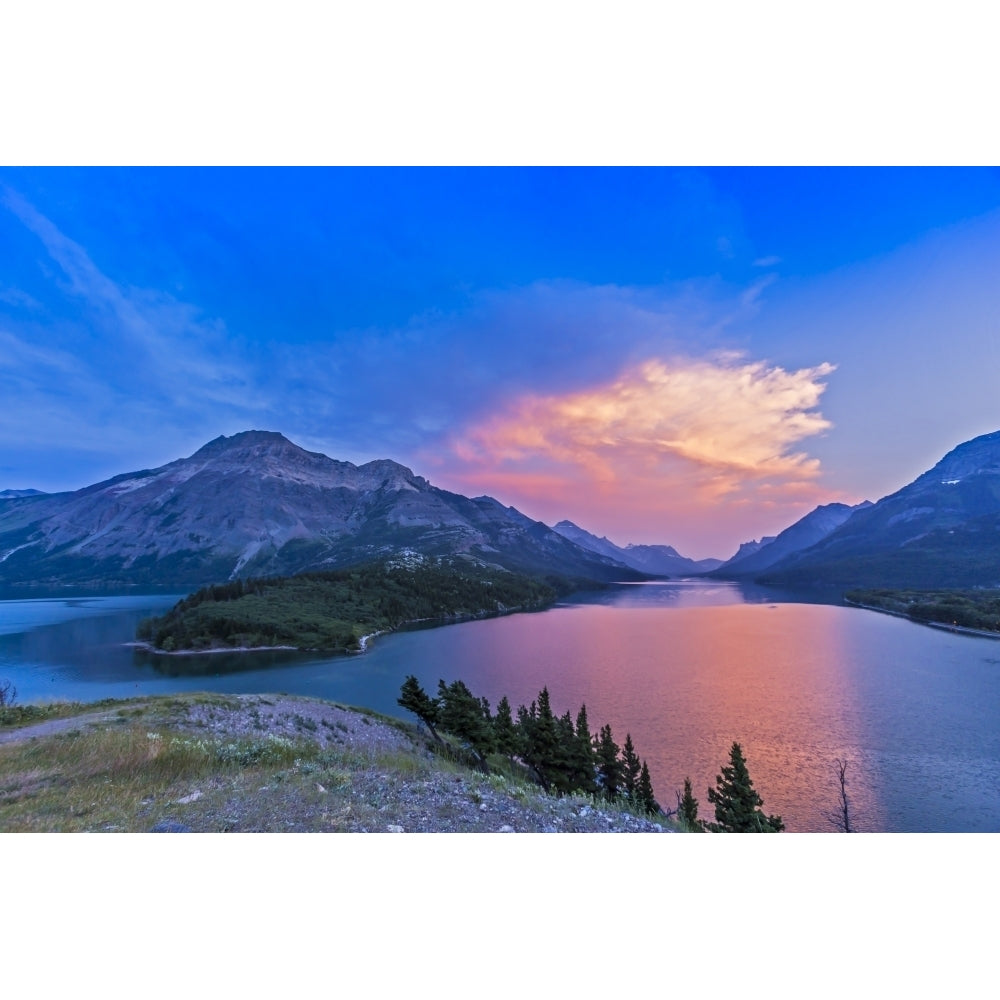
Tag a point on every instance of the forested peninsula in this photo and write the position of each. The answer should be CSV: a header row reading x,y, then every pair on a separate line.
x,y
336,611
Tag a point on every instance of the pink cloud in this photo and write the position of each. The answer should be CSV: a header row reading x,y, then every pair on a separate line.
x,y
702,452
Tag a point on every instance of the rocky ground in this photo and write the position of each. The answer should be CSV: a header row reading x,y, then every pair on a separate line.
x,y
276,763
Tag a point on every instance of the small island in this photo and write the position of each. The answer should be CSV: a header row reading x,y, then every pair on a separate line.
x,y
339,610
976,611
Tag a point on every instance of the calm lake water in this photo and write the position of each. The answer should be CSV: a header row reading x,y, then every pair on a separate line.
x,y
686,666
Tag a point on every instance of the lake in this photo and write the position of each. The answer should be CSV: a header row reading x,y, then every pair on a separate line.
x,y
686,667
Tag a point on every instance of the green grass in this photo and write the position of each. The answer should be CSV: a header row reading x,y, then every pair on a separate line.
x,y
15,716
110,778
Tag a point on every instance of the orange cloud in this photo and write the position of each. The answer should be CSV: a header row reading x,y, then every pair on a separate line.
x,y
665,441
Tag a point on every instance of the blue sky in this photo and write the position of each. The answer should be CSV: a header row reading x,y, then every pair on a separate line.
x,y
688,356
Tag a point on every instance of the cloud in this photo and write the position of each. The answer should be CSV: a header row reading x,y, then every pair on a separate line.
x,y
674,439
407,389
133,366
770,261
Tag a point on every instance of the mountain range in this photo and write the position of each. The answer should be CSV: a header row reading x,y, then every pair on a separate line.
x,y
657,560
941,530
255,504
755,557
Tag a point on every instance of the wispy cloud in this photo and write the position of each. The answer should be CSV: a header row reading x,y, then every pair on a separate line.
x,y
510,394
137,364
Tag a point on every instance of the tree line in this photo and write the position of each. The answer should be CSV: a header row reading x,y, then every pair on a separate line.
x,y
562,755
565,757
331,609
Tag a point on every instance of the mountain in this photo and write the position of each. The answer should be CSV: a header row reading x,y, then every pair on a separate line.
x,y
659,560
749,548
942,530
12,494
255,504
752,558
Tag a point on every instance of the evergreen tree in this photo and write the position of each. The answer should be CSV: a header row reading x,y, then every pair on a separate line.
x,y
467,718
644,792
609,767
630,768
503,729
527,726
687,810
585,769
416,700
541,748
737,804
564,766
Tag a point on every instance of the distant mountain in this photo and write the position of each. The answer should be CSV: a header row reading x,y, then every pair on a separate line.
x,y
12,494
942,530
659,560
750,548
754,558
255,504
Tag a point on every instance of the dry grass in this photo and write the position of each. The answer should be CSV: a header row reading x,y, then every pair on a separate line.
x,y
210,763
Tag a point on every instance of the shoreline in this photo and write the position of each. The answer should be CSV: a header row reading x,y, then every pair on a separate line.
x,y
150,648
976,633
363,640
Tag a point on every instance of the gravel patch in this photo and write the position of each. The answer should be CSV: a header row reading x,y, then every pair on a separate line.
x,y
377,777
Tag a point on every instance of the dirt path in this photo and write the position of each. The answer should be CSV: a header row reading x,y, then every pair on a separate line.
x,y
52,726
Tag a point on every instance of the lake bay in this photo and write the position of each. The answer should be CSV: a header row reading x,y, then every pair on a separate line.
x,y
686,667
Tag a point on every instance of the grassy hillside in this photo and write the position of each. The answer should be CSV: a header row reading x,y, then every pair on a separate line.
x,y
276,763
333,610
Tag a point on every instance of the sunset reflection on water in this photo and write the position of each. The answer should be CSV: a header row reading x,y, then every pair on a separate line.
x,y
686,667
689,683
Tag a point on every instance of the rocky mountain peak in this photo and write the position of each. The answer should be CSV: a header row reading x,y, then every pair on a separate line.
x,y
980,456
251,443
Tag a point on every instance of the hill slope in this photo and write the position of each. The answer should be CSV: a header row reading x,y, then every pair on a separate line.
x,y
274,763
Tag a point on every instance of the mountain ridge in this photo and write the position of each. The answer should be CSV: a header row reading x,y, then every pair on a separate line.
x,y
659,560
940,530
257,504
754,558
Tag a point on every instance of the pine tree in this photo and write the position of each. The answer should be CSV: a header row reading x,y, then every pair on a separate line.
x,y
687,810
737,804
644,792
543,749
503,729
416,700
467,718
609,767
564,765
630,768
529,742
586,769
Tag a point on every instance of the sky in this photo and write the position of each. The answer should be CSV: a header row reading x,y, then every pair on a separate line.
x,y
686,356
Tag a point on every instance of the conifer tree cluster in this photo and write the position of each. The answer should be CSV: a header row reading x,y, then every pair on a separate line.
x,y
737,803
562,754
